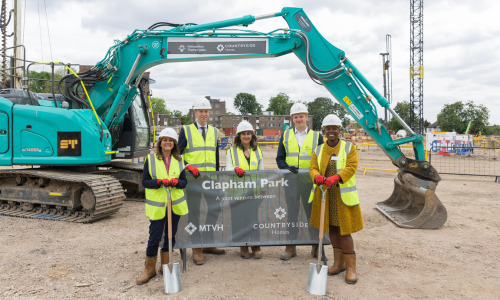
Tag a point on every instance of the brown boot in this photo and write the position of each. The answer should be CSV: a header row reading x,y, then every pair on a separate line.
x,y
290,251
198,256
214,250
350,273
257,254
149,271
164,260
338,262
244,252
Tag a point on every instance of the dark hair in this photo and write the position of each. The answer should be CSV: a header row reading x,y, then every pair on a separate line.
x,y
175,151
253,142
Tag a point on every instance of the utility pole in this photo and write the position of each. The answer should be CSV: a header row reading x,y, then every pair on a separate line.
x,y
387,74
417,65
17,66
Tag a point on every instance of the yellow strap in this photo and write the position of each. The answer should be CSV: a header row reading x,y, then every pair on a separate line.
x,y
88,97
152,118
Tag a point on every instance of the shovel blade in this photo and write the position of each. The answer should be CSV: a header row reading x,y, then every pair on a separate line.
x,y
414,204
172,278
316,282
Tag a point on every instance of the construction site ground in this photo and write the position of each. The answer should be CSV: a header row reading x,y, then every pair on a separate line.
x,y
61,260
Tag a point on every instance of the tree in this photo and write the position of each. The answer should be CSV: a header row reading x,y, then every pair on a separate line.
x,y
280,104
159,105
321,107
247,104
456,117
41,82
403,110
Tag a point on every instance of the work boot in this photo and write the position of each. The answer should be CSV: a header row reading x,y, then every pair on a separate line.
x,y
164,260
350,263
198,256
244,252
338,262
214,250
257,254
149,271
290,251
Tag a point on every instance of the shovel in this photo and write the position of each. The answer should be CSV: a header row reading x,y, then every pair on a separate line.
x,y
316,282
171,271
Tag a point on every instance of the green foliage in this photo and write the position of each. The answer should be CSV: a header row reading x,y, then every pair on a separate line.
x,y
456,117
158,105
403,110
321,107
41,82
246,103
280,104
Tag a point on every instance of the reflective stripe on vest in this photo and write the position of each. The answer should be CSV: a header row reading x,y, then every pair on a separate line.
x,y
348,191
156,199
299,157
255,158
198,152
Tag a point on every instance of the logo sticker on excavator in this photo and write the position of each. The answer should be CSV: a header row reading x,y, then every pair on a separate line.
x,y
69,144
303,22
413,165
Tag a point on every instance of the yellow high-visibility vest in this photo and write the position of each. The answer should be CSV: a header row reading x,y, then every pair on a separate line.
x,y
348,191
156,199
239,159
201,153
299,157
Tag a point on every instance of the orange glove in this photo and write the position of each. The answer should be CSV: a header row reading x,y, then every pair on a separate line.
x,y
331,180
319,179
194,171
239,171
159,182
166,182
174,182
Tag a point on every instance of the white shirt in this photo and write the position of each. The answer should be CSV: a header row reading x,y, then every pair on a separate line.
x,y
206,129
229,162
300,136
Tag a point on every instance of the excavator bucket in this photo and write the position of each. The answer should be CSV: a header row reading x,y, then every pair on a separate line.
x,y
413,203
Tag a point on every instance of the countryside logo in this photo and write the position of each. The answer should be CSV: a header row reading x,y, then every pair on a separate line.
x,y
220,47
280,213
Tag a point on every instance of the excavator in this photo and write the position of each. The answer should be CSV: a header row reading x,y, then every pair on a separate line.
x,y
73,144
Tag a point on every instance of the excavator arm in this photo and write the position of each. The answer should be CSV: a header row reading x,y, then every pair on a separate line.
x,y
413,203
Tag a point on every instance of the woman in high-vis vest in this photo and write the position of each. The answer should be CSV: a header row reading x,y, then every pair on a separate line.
x,y
163,168
333,165
245,155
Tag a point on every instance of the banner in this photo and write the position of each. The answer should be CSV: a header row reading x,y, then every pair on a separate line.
x,y
261,208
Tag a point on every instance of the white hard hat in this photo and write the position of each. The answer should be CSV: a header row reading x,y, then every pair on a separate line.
x,y
169,132
244,126
202,104
331,120
298,108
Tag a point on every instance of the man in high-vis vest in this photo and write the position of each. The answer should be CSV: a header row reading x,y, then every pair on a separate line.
x,y
198,143
294,154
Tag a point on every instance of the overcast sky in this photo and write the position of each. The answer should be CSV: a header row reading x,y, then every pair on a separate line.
x,y
461,46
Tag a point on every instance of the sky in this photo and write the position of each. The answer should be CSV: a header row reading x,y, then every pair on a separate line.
x,y
461,42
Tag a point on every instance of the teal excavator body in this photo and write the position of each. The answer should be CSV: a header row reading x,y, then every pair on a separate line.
x,y
40,135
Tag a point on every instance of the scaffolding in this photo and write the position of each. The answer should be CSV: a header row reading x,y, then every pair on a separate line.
x,y
417,66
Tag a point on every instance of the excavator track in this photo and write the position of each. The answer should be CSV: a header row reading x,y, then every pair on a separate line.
x,y
130,176
59,195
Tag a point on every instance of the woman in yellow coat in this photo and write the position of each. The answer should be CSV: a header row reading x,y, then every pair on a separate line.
x,y
333,165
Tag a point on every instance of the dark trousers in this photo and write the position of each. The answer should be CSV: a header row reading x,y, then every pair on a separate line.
x,y
295,197
194,199
159,229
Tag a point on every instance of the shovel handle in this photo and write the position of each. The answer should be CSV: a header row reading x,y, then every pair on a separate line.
x,y
169,219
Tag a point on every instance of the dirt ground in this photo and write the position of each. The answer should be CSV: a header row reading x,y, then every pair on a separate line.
x,y
61,260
